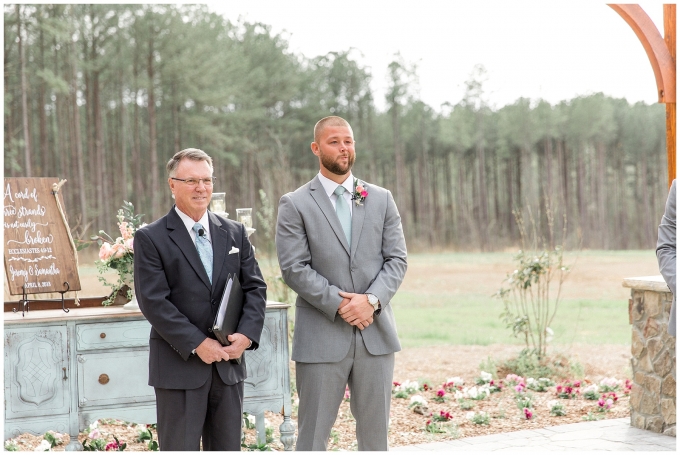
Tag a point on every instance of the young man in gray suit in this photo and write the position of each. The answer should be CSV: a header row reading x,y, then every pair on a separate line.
x,y
665,251
341,248
181,265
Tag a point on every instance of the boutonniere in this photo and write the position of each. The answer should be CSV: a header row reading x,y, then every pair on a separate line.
x,y
359,195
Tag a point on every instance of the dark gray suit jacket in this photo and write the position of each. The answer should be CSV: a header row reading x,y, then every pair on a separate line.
x,y
176,297
665,250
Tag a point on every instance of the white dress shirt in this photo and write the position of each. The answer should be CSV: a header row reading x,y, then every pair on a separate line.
x,y
189,224
330,186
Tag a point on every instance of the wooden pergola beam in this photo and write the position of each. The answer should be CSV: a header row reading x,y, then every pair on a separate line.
x,y
663,63
661,53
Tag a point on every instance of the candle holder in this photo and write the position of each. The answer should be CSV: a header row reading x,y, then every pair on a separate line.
x,y
218,204
245,216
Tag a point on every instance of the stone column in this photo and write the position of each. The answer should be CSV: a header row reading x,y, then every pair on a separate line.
x,y
652,399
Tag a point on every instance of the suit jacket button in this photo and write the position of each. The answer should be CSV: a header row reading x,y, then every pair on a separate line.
x,y
210,329
213,302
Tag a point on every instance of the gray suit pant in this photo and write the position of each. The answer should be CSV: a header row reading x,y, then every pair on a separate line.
x,y
321,388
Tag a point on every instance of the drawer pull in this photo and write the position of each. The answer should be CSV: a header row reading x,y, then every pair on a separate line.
x,y
65,377
103,378
102,335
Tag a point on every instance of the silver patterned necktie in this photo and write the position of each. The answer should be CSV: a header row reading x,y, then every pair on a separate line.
x,y
205,251
342,209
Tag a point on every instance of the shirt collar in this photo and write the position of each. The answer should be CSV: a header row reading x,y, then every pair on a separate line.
x,y
329,185
189,222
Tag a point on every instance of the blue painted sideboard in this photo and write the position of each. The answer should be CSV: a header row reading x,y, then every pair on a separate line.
x,y
63,371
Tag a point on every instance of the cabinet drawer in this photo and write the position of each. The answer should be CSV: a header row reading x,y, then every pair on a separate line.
x,y
112,335
118,378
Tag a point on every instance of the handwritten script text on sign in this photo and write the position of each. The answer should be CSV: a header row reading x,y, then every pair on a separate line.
x,y
38,252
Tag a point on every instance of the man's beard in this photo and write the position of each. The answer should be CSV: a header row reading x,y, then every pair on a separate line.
x,y
334,166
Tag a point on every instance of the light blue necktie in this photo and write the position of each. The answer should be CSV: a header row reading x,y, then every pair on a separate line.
x,y
342,209
205,251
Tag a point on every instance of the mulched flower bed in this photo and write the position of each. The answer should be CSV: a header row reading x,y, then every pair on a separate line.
x,y
425,412
408,427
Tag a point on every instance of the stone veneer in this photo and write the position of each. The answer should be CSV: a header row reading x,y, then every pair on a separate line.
x,y
652,399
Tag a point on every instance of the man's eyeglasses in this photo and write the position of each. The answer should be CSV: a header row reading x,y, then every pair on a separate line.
x,y
208,181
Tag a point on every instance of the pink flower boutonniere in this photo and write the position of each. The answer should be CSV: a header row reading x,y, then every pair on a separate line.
x,y
360,192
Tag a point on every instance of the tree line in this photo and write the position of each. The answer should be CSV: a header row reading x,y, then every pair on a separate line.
x,y
103,95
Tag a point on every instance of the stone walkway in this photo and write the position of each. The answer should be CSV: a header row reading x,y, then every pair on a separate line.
x,y
612,434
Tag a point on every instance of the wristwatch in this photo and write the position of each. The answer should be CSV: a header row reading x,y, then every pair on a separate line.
x,y
373,300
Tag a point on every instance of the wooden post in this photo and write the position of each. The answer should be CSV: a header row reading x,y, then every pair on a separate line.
x,y
661,53
669,38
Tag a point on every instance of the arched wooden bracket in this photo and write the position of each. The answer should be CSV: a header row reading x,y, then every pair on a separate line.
x,y
663,63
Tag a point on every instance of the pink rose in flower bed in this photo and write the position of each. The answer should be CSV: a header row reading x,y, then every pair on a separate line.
x,y
568,389
527,414
513,379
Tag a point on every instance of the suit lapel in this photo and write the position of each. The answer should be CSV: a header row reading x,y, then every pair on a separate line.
x,y
220,243
180,235
358,216
324,203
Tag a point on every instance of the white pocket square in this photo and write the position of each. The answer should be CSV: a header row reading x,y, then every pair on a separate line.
x,y
233,250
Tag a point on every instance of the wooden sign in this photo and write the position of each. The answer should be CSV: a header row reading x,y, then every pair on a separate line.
x,y
38,251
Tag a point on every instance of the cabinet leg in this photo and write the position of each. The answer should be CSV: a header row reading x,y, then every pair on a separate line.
x,y
74,445
287,433
259,426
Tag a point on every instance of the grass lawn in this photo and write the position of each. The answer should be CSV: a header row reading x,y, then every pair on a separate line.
x,y
447,298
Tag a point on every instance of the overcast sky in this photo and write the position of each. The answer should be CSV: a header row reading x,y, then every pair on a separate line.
x,y
554,50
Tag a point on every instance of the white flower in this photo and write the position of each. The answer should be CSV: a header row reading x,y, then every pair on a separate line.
x,y
590,388
458,395
417,399
43,447
549,334
455,381
94,425
552,403
252,419
470,415
94,434
610,382
530,381
486,376
267,423
485,390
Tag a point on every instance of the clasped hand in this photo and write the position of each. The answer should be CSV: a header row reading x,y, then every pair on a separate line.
x,y
355,309
212,351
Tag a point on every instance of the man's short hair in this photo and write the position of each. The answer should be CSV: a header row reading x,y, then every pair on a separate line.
x,y
189,154
333,120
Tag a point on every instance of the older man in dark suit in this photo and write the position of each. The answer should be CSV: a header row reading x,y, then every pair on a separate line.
x,y
181,265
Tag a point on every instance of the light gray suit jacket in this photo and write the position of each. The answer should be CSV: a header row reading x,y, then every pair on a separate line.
x,y
665,251
317,263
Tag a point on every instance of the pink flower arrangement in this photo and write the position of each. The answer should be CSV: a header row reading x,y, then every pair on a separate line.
x,y
520,388
111,446
118,254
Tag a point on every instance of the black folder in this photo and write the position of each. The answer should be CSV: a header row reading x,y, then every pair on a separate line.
x,y
229,312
